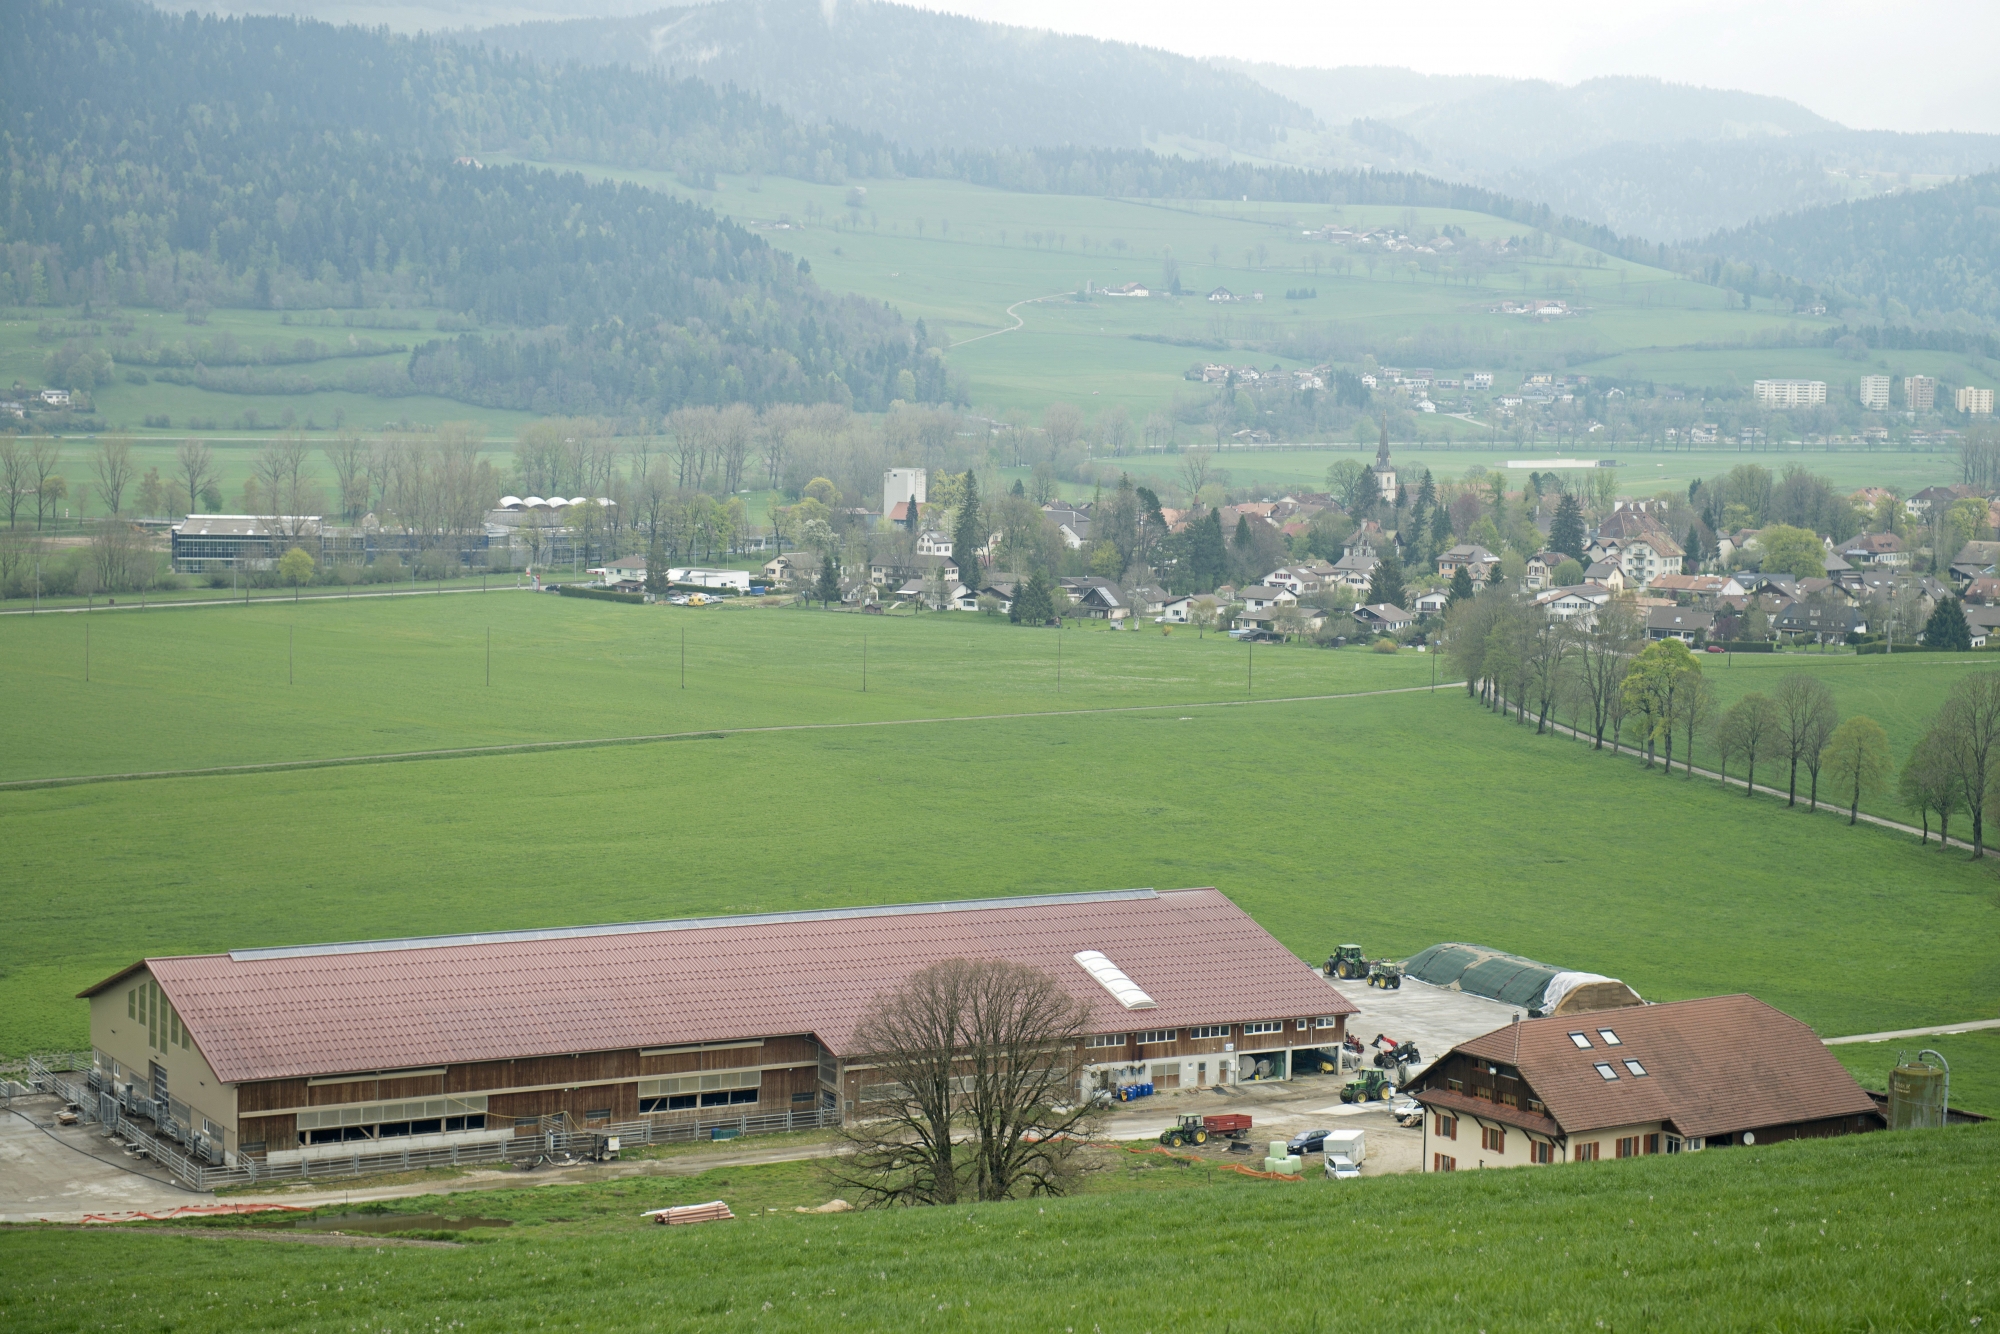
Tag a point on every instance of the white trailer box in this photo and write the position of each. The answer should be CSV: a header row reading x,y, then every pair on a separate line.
x,y
1349,1144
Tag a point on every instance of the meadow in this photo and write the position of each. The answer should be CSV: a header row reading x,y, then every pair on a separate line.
x,y
1974,1059
1871,1232
995,273
1396,820
1901,691
123,405
964,258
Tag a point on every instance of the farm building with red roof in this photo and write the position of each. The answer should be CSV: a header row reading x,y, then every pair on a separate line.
x,y
294,1054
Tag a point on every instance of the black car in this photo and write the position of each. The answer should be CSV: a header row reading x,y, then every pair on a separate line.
x,y
1308,1141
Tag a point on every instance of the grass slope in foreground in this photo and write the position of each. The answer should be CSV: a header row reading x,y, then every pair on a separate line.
x,y
1397,821
1871,1232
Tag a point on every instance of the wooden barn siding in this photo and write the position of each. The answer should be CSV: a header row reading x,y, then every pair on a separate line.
x,y
277,1132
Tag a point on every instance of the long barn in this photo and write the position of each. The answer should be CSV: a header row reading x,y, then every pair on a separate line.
x,y
297,1053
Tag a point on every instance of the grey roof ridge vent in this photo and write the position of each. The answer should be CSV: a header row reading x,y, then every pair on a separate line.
x,y
682,924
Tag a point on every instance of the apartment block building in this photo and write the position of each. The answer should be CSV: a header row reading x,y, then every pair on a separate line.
x,y
1789,393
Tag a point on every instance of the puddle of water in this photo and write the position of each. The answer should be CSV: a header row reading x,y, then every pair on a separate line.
x,y
373,1223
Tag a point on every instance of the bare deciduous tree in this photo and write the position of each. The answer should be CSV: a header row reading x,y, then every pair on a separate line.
x,y
1062,423
977,1065
285,483
1806,718
349,458
112,465
194,468
13,477
1195,473
1970,724
1604,655
44,456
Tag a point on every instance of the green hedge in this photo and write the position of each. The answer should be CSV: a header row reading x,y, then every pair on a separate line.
x,y
1911,648
1746,645
602,594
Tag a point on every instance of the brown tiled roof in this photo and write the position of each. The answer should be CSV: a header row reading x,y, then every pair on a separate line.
x,y
1445,1100
1713,1066
384,1005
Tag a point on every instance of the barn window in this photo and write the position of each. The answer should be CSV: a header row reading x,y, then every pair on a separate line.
x,y
1107,1040
1270,1026
1209,1031
1329,1021
1154,1036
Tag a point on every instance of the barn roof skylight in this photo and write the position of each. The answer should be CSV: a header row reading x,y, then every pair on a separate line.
x,y
1112,978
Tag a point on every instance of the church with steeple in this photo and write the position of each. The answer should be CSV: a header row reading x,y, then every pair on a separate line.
x,y
1384,471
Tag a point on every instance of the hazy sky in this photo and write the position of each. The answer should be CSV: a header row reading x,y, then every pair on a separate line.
x,y
1909,65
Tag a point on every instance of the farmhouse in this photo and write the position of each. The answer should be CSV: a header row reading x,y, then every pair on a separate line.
x,y
1682,623
1383,618
327,1051
1627,1083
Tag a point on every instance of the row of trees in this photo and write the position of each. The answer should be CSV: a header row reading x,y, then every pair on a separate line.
x,y
1613,684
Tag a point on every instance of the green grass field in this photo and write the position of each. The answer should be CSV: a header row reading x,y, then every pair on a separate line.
x,y
201,687
123,406
1871,1232
1974,1059
1396,820
971,261
1900,691
959,256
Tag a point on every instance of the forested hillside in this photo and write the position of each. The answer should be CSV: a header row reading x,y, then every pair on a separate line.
x,y
168,161
925,79
1927,255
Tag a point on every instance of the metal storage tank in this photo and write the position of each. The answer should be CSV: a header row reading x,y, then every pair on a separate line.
x,y
1919,1093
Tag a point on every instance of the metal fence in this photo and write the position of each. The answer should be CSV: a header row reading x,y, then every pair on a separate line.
x,y
555,1141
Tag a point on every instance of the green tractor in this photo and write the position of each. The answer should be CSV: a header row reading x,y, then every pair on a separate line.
x,y
1189,1131
1387,974
1373,1086
1346,962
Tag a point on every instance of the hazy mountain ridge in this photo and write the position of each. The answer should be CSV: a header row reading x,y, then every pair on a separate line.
x,y
1645,157
925,79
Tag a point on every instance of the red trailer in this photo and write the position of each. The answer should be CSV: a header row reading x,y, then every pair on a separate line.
x,y
1233,1125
